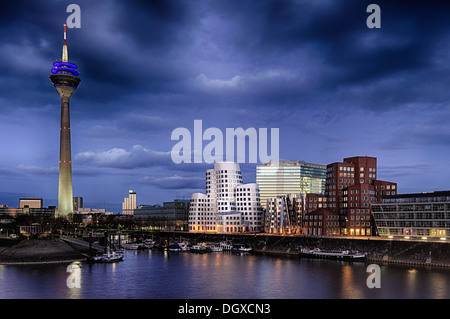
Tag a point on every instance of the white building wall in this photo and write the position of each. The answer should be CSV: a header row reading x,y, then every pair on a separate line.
x,y
222,183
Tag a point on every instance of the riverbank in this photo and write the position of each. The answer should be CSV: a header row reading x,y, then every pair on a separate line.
x,y
412,253
41,251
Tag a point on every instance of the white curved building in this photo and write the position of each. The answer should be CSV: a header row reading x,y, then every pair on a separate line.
x,y
248,203
225,194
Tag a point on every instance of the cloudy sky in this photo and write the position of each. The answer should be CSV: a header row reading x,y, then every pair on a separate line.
x,y
311,68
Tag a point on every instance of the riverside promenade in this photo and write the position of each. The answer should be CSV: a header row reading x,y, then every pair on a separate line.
x,y
41,251
379,250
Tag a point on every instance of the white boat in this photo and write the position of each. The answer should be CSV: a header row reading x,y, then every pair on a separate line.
x,y
201,248
241,248
112,257
130,246
226,245
174,247
335,255
109,257
150,243
184,246
214,248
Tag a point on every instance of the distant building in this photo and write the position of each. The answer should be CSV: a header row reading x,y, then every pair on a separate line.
x,y
129,203
10,211
77,203
419,215
292,177
35,230
30,202
87,215
170,216
15,212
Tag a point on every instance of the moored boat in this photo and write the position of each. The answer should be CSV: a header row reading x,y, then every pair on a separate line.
x,y
112,257
226,245
335,255
184,246
214,248
130,246
198,249
106,258
241,248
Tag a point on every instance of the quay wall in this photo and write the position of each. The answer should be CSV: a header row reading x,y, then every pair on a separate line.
x,y
420,253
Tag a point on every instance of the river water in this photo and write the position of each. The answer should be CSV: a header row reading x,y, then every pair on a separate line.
x,y
161,275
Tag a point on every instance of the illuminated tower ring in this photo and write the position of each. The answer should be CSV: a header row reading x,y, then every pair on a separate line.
x,y
65,80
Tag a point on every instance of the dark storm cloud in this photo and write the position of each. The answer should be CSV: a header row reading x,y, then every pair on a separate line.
x,y
278,52
176,182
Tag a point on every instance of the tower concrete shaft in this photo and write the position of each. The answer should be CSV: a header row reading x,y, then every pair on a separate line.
x,y
65,79
65,191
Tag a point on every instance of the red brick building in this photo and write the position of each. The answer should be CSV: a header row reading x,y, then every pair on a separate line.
x,y
321,222
350,188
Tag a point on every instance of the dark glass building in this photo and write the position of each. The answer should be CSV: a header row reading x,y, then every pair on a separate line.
x,y
170,216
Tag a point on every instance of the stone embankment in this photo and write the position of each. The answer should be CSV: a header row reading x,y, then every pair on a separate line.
x,y
41,251
435,254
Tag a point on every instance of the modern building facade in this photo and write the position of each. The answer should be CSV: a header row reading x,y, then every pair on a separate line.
x,y
321,222
170,216
30,202
129,203
65,79
284,214
419,215
16,212
249,205
77,203
225,195
230,222
281,178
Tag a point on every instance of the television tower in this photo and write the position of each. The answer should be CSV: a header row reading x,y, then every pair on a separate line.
x,y
65,80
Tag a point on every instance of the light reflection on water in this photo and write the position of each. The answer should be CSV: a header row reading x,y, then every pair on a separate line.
x,y
157,275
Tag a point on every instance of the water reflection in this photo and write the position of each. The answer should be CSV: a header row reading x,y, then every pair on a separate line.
x,y
156,274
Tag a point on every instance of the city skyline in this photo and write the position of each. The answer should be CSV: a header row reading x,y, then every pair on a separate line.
x,y
334,87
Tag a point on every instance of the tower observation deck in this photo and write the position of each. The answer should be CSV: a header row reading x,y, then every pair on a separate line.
x,y
65,79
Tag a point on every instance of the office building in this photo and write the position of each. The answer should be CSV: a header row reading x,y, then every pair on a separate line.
x,y
129,203
170,216
30,202
282,178
351,187
414,216
77,203
321,222
249,205
65,80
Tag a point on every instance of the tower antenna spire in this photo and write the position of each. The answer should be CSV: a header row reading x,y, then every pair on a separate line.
x,y
65,54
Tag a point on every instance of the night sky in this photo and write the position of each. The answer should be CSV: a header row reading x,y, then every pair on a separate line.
x,y
311,68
